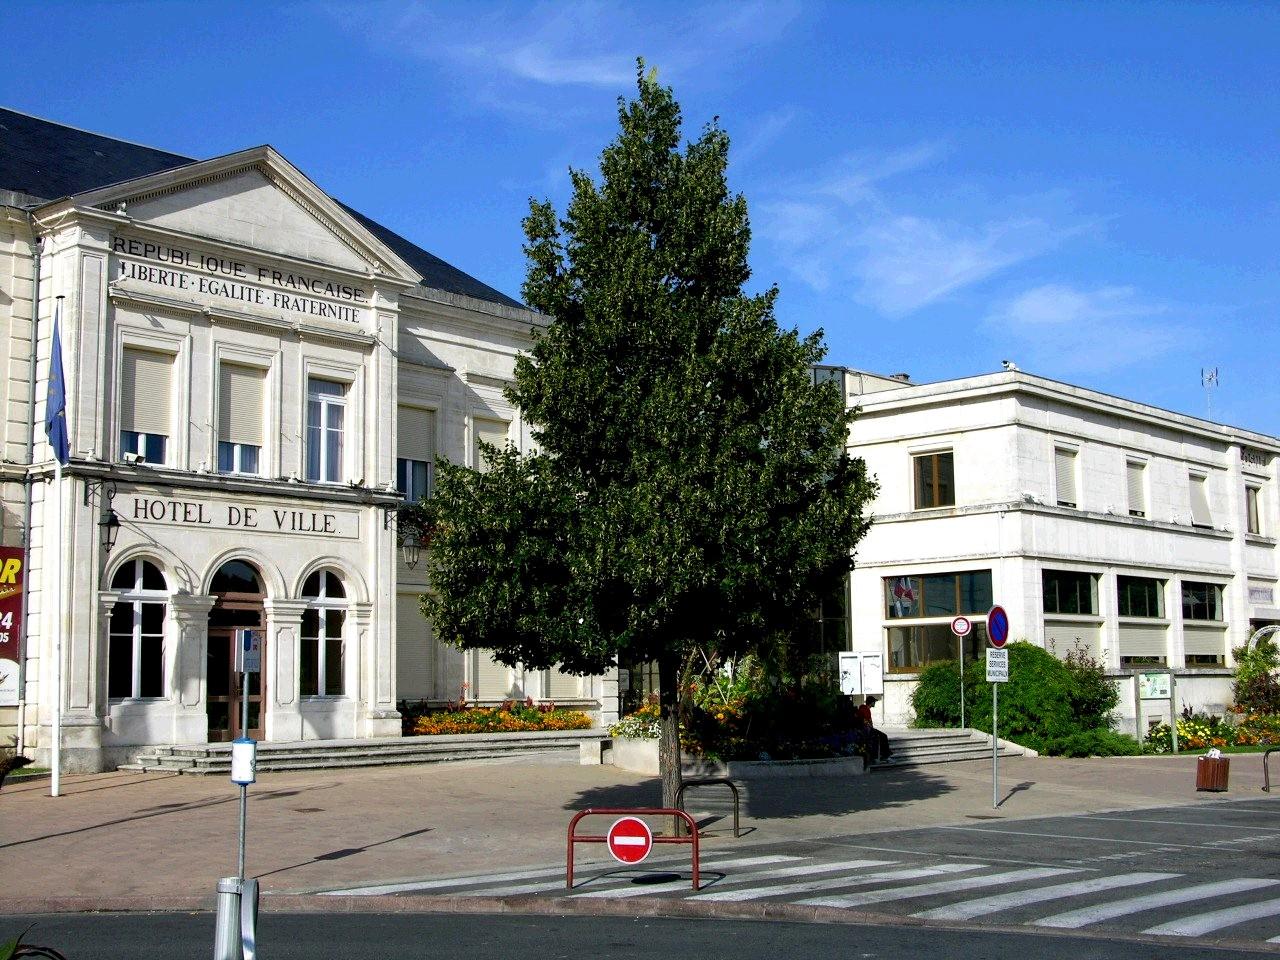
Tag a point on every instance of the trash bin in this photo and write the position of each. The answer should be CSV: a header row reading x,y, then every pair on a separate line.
x,y
1211,773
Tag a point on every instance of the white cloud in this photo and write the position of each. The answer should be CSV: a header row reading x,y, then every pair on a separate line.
x,y
842,231
583,44
1064,329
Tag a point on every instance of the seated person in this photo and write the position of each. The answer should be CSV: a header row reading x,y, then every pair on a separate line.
x,y
879,743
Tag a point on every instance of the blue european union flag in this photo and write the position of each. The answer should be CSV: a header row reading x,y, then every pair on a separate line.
x,y
55,407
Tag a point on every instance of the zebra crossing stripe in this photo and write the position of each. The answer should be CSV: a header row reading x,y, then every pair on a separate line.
x,y
1202,923
757,893
612,877
941,886
1073,919
755,877
994,903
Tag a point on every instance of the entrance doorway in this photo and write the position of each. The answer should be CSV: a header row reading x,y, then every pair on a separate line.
x,y
238,589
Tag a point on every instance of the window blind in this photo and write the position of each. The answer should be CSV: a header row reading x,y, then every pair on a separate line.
x,y
1200,502
1064,466
1210,641
1143,641
146,378
415,651
416,434
492,432
240,403
1137,498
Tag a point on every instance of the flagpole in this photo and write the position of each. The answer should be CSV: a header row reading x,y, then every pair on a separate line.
x,y
55,428
56,553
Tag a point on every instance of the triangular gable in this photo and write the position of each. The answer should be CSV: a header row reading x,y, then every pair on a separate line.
x,y
254,198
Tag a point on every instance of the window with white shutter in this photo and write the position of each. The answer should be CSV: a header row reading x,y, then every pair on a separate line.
x,y
240,413
1253,516
415,452
492,432
1064,469
1200,516
146,403
1134,475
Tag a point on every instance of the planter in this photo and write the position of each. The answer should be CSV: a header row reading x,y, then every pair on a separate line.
x,y
641,756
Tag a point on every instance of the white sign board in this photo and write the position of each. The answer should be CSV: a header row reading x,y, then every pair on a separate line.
x,y
1154,685
997,665
248,651
861,674
243,761
8,683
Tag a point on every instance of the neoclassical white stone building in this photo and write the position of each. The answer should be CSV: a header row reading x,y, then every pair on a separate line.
x,y
257,377
1147,537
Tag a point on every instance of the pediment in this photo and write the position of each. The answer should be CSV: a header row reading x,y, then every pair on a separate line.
x,y
258,200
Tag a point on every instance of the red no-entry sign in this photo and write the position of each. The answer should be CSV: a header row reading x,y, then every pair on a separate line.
x,y
630,840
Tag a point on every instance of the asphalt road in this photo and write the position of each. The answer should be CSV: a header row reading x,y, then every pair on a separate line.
x,y
453,937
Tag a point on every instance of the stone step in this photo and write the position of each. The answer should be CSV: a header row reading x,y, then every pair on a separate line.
x,y
545,745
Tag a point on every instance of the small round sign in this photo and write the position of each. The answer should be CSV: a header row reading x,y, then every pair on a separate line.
x,y
961,626
629,840
998,627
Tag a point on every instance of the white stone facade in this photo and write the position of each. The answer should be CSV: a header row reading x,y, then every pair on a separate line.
x,y
1144,536
188,298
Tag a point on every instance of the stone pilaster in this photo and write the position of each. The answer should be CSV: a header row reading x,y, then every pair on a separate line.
x,y
187,664
377,715
284,650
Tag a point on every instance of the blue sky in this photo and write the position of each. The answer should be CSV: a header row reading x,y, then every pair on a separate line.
x,y
1089,190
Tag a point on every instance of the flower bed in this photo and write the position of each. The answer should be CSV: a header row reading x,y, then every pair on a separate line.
x,y
1201,732
509,717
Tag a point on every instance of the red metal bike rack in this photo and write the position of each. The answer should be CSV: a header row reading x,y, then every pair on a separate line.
x,y
692,839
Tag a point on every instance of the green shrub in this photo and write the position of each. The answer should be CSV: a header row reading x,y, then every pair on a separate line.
x,y
1255,688
1046,698
1091,743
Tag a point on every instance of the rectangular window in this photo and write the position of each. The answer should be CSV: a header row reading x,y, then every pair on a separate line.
x,y
1064,473
492,432
1200,516
416,452
938,595
935,480
240,415
913,647
321,668
1252,517
1068,591
1140,597
1134,474
237,458
326,408
833,619
151,447
146,401
1201,601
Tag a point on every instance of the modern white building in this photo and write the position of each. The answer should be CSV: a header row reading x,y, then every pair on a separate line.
x,y
257,377
1146,537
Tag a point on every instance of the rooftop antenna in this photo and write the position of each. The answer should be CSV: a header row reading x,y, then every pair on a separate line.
x,y
1209,380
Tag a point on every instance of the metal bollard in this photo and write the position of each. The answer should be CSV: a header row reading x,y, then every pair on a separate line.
x,y
226,937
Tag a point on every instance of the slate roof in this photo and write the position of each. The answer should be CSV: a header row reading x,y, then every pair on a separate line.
x,y
47,161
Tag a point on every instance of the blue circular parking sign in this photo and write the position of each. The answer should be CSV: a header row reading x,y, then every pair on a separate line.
x,y
998,627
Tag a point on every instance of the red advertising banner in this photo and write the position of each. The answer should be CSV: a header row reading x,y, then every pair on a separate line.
x,y
13,581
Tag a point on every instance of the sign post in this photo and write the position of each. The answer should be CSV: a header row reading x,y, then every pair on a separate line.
x,y
235,934
997,673
961,626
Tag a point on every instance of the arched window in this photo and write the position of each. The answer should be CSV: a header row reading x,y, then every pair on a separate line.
x,y
323,650
135,652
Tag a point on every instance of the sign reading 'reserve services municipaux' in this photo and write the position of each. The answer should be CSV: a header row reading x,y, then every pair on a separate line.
x,y
997,665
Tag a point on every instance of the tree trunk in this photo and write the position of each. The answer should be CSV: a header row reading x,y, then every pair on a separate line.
x,y
669,728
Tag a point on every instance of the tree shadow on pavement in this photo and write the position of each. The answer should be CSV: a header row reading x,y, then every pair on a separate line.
x,y
785,798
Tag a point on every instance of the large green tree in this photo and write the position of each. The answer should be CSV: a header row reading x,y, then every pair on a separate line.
x,y
691,487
